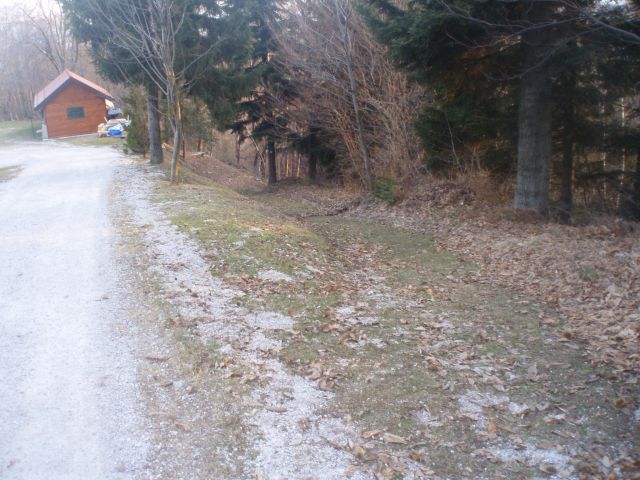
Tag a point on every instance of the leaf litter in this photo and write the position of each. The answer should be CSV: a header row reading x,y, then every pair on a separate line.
x,y
281,401
513,389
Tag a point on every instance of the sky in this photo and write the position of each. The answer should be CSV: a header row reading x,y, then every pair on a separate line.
x,y
21,3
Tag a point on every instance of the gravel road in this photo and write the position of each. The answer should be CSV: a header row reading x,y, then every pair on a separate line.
x,y
101,303
69,402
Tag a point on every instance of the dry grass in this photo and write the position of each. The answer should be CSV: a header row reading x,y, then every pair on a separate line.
x,y
403,332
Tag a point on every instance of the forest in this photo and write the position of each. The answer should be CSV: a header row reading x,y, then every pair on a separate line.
x,y
538,98
364,239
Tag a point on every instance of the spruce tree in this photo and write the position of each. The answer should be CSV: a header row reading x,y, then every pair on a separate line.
x,y
260,115
498,57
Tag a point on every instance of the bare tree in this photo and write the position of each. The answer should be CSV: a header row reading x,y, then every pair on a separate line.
x,y
24,69
52,35
349,90
343,14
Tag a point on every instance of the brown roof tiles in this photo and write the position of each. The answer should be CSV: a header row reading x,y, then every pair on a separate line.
x,y
58,83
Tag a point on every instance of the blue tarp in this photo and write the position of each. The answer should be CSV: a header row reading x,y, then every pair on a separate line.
x,y
116,131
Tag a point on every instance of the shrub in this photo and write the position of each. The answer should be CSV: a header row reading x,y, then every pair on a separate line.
x,y
137,133
385,188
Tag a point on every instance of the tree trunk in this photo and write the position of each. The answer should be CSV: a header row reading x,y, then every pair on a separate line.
x,y
566,194
271,158
176,123
633,199
153,113
313,167
569,120
534,117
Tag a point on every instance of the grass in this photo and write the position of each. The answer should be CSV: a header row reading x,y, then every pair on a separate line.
x,y
437,334
93,140
7,173
16,131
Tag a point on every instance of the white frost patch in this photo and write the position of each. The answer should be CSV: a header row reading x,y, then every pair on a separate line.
x,y
517,409
377,342
536,457
274,276
368,320
269,321
295,443
291,439
264,344
313,269
426,418
473,403
349,314
345,311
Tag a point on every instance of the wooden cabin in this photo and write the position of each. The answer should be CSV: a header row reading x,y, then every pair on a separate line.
x,y
71,105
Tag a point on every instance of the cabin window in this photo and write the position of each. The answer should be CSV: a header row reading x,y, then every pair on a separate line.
x,y
75,112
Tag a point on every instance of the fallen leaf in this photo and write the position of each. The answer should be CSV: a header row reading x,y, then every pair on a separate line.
x,y
183,426
349,472
391,438
619,403
550,469
492,430
156,358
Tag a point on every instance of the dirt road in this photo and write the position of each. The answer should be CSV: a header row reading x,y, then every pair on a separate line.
x,y
68,404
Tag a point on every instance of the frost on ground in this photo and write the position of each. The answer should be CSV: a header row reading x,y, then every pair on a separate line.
x,y
444,376
550,461
274,276
475,405
291,439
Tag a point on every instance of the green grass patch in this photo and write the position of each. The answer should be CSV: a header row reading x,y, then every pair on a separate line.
x,y
7,173
95,141
436,334
22,130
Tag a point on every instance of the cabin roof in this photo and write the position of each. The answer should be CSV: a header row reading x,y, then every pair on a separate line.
x,y
60,82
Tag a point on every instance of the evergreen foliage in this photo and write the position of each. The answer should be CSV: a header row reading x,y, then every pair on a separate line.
x,y
179,47
478,59
258,115
137,134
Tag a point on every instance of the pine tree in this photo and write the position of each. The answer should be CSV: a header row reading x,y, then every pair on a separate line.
x,y
260,115
495,57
